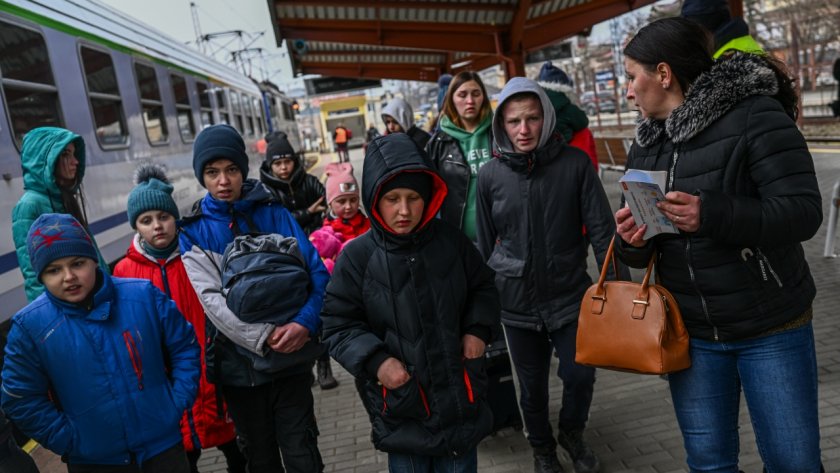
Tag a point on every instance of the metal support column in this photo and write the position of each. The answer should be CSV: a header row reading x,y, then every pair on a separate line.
x,y
831,229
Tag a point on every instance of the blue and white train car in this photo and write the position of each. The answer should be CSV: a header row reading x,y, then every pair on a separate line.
x,y
134,94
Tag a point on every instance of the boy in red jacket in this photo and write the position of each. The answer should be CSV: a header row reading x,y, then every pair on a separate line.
x,y
154,256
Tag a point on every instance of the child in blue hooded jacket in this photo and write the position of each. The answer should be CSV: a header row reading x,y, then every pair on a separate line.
x,y
98,369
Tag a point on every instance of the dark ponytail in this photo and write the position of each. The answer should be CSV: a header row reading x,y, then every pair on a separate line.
x,y
682,44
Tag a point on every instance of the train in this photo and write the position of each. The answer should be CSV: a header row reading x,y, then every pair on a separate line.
x,y
134,94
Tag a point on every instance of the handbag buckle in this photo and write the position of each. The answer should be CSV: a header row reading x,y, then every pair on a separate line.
x,y
598,301
639,309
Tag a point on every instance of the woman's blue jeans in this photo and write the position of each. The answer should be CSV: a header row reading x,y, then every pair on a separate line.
x,y
402,463
778,375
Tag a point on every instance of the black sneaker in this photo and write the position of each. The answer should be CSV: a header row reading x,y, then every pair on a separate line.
x,y
545,461
325,375
582,456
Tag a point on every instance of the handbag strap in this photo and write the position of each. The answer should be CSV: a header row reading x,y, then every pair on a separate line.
x,y
641,301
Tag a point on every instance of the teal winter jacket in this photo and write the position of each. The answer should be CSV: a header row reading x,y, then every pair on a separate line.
x,y
39,154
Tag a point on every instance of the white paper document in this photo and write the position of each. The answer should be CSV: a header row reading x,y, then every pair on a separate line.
x,y
642,190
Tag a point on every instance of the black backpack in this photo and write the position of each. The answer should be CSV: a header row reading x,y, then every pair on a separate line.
x,y
254,267
265,280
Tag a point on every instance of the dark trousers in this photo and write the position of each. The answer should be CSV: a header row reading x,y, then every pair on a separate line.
x,y
531,354
173,460
233,457
15,460
278,414
343,154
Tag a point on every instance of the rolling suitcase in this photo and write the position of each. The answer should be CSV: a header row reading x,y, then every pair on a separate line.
x,y
501,392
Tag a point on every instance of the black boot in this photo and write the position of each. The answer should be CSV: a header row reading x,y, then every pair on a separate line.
x,y
583,457
325,376
545,461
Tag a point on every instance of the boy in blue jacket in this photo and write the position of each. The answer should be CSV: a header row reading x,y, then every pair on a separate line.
x,y
270,409
98,369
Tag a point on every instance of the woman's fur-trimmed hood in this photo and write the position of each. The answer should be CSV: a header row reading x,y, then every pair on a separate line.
x,y
713,94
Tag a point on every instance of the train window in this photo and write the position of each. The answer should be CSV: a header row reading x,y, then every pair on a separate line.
x,y
153,115
104,95
288,113
182,108
29,90
237,111
249,114
275,112
223,108
260,116
205,106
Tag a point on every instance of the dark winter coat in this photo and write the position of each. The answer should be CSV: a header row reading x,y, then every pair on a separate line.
x,y
413,297
531,208
296,194
743,272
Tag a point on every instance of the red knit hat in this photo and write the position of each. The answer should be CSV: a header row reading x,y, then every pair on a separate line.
x,y
340,181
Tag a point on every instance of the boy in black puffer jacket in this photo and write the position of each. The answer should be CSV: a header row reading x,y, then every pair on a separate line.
x,y
408,312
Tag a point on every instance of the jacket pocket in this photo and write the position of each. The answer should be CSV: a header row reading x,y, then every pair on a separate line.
x,y
504,263
405,402
475,379
759,266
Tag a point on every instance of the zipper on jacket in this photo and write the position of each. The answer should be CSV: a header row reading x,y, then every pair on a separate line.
x,y
165,280
463,204
762,261
697,288
134,356
670,185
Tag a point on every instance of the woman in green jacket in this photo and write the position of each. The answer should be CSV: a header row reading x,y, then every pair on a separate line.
x,y
461,146
53,162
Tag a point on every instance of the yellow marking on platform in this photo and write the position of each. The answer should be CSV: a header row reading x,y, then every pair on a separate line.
x,y
824,150
30,445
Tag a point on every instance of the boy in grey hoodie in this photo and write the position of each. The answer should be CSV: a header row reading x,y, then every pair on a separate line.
x,y
399,118
533,199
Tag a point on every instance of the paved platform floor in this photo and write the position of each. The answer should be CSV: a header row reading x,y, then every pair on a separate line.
x,y
632,426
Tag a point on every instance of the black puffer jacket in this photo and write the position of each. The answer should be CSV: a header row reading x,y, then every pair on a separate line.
x,y
743,272
531,210
413,297
296,194
446,156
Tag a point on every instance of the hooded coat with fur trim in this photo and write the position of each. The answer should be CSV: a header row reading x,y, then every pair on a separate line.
x,y
743,272
531,207
413,297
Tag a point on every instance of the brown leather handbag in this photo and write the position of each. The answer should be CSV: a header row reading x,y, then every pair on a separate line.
x,y
627,326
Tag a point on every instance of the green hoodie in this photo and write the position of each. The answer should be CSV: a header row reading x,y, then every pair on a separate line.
x,y
476,148
39,154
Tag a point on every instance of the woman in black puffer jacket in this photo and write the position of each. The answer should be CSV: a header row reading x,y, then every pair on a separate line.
x,y
408,311
742,191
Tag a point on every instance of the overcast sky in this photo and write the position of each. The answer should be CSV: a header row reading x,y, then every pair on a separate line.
x,y
174,18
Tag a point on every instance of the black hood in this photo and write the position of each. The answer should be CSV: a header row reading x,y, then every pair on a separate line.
x,y
387,156
295,180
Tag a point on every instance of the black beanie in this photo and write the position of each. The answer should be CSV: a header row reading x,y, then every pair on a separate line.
x,y
219,142
278,148
419,182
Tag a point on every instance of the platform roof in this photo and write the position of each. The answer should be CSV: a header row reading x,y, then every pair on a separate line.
x,y
421,39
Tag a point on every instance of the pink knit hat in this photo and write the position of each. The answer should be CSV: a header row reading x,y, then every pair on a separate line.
x,y
340,181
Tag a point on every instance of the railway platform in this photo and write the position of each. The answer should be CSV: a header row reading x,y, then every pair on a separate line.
x,y
632,426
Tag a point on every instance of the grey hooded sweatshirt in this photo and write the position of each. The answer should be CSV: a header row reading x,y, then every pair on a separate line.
x,y
532,208
401,111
